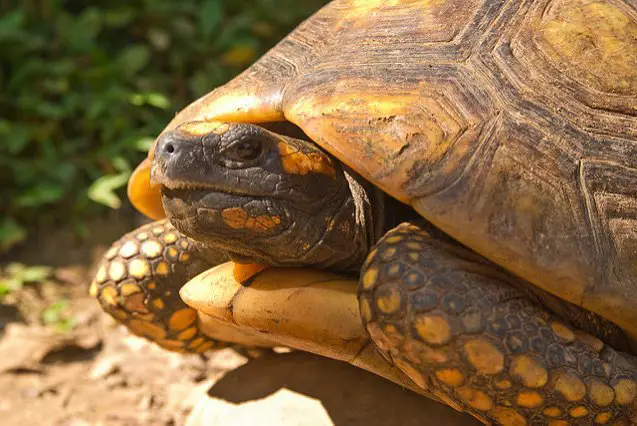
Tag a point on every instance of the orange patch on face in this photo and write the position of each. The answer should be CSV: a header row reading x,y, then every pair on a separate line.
x,y
301,163
238,218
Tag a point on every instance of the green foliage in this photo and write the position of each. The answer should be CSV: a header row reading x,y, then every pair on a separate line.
x,y
56,315
84,87
15,275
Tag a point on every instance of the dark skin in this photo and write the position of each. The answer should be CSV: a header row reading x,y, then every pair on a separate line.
x,y
261,198
455,323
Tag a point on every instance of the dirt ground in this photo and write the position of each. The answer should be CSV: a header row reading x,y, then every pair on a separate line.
x,y
99,374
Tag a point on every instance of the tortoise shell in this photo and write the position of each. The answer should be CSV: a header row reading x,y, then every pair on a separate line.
x,y
510,125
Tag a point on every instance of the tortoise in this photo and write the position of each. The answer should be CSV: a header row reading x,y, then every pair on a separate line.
x,y
475,162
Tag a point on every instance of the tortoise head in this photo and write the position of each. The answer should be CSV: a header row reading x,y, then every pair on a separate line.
x,y
260,196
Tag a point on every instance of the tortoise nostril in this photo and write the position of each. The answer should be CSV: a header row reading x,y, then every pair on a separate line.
x,y
170,148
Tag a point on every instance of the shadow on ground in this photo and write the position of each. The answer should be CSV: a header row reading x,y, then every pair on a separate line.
x,y
348,395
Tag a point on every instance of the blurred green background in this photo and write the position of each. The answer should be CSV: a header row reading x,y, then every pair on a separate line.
x,y
85,87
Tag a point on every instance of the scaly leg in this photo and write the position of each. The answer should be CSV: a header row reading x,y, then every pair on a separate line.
x,y
452,323
138,283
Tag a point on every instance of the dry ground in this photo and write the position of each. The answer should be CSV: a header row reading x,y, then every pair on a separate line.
x,y
98,374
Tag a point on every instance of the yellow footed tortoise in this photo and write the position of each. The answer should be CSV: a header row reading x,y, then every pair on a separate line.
x,y
508,126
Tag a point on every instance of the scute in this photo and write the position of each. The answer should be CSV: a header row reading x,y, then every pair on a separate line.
x,y
485,116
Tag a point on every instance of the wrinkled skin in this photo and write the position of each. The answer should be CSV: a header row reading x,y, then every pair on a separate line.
x,y
263,198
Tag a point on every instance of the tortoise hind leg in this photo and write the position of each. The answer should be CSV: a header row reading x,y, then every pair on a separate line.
x,y
138,283
452,323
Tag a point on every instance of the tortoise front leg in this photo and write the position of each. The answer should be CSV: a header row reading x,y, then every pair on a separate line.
x,y
452,323
138,283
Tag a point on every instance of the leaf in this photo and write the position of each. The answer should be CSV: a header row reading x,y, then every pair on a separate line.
x,y
239,56
133,59
34,274
10,23
209,17
103,189
157,100
144,144
40,194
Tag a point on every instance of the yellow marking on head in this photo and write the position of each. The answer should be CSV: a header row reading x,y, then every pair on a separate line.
x,y
139,268
157,230
369,278
116,271
570,386
475,398
147,329
170,238
415,375
184,257
433,329
100,276
112,252
601,394
135,303
109,295
558,423
198,341
484,356
508,416
625,391
591,341
202,128
579,411
529,371
301,163
142,236
129,288
187,334
171,344
365,310
503,384
529,399
204,347
162,268
562,331
151,249
413,256
552,411
183,244
129,249
603,418
235,217
182,319
450,376
388,302
151,285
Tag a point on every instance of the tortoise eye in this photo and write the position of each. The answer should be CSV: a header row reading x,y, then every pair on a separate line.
x,y
245,150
